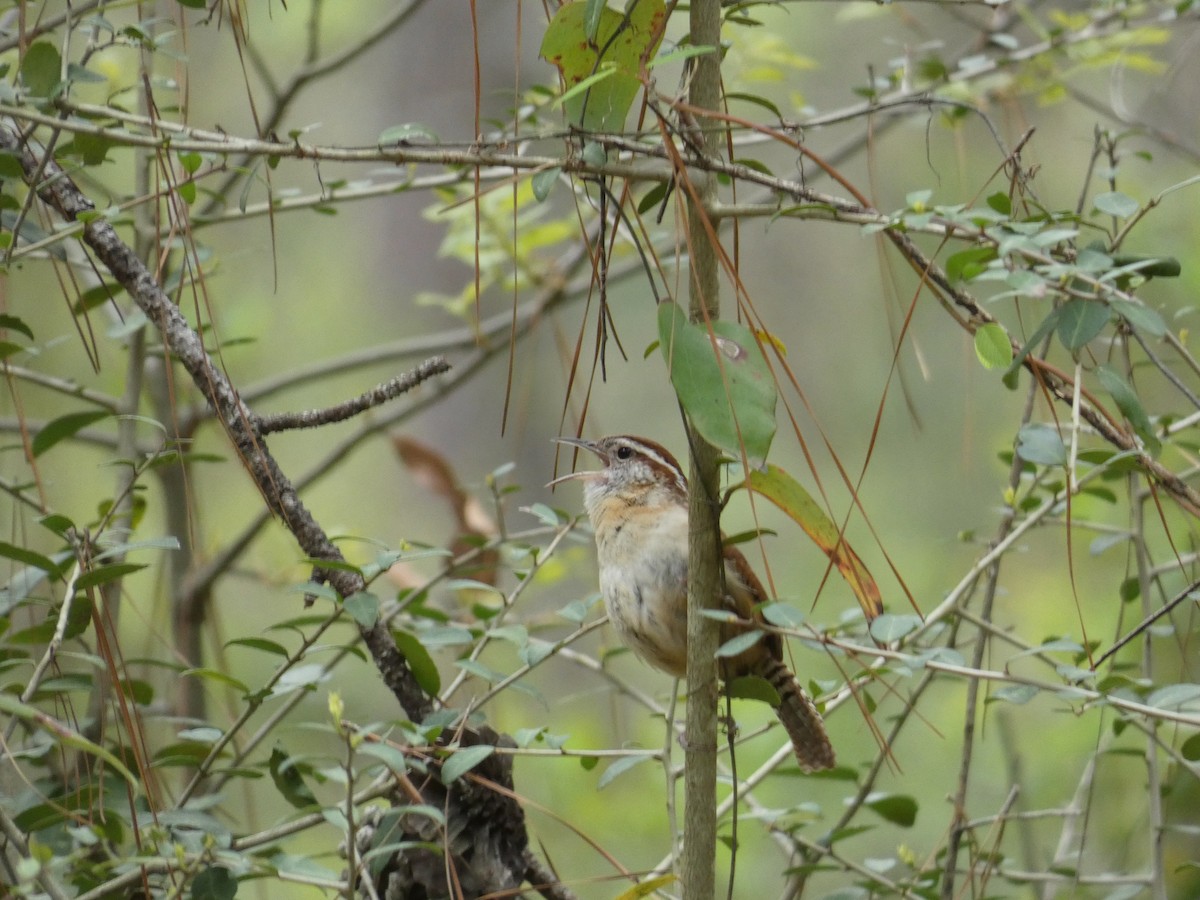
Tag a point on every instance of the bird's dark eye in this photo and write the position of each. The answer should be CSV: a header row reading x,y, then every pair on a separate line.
x,y
624,452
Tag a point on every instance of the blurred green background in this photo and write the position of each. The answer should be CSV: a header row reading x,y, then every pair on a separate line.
x,y
314,285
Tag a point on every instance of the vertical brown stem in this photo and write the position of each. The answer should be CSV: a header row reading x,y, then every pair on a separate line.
x,y
698,866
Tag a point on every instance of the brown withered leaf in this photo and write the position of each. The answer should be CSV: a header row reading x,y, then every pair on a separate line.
x,y
474,526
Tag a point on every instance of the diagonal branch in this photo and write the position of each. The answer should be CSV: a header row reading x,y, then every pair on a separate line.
x,y
489,841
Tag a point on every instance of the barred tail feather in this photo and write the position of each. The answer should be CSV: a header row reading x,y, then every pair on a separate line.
x,y
799,717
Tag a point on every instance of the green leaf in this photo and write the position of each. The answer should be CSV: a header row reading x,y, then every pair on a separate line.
x,y
1001,203
76,72
12,323
423,667
1081,320
891,627
591,18
598,52
406,134
41,69
1150,266
28,557
578,610
212,882
918,201
899,809
992,346
789,495
65,736
594,154
1175,696
8,349
646,888
219,677
722,380
1019,694
105,574
64,427
1141,317
463,761
756,100
1129,590
1041,445
1191,748
543,182
782,615
752,687
479,670
10,167
653,197
679,54
1131,407
289,780
1114,203
393,757
193,4
96,296
535,650
1047,326
364,607
969,263
257,643
739,644
56,523
620,767
21,583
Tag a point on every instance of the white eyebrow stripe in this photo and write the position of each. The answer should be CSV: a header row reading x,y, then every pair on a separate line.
x,y
659,455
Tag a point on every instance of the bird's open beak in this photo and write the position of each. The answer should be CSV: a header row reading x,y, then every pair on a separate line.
x,y
583,444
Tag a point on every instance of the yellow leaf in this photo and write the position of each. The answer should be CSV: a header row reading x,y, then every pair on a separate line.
x,y
785,492
646,888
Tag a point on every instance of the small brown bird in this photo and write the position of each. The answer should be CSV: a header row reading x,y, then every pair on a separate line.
x,y
638,506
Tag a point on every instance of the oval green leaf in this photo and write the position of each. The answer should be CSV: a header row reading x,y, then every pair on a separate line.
x,y
463,761
891,627
364,607
1081,320
722,380
620,767
739,644
1041,445
1143,318
542,182
289,779
1114,203
41,69
423,667
992,346
899,809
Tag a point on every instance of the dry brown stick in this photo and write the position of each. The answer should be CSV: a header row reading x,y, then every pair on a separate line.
x,y
378,395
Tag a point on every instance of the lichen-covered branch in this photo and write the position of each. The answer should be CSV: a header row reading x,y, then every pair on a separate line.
x,y
485,829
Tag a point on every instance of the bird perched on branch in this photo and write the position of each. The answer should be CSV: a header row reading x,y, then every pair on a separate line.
x,y
638,507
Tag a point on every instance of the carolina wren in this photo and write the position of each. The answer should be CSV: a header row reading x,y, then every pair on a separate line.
x,y
638,506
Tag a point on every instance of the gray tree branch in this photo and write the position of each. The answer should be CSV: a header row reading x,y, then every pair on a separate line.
x,y
485,829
